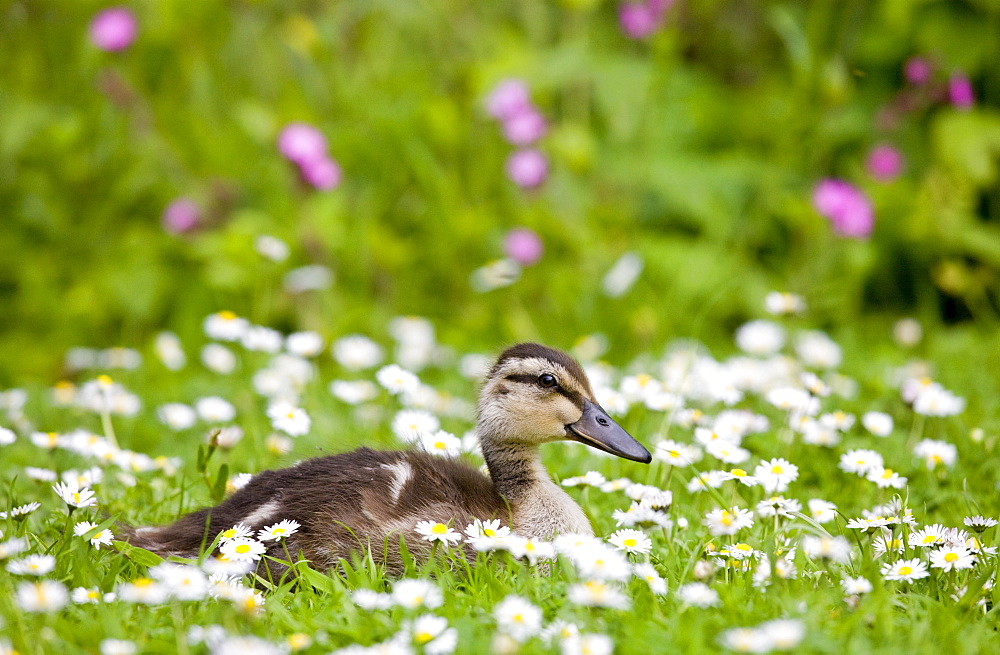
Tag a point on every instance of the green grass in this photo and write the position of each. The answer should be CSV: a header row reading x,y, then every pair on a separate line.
x,y
917,617
696,149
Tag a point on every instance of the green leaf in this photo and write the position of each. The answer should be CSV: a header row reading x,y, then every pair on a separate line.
x,y
140,556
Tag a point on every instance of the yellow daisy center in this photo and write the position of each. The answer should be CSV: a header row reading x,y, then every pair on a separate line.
x,y
726,519
950,557
489,532
778,469
929,539
905,570
740,473
887,474
439,528
242,548
630,542
423,637
227,315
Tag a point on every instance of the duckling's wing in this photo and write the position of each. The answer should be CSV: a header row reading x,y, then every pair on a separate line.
x,y
344,503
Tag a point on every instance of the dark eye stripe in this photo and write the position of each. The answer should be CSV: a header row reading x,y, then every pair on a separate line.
x,y
527,378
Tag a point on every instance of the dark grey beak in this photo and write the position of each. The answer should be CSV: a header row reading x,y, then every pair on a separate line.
x,y
596,429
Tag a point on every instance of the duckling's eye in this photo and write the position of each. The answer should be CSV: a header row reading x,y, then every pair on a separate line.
x,y
547,380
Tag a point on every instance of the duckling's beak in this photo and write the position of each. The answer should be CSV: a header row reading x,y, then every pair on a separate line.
x,y
595,428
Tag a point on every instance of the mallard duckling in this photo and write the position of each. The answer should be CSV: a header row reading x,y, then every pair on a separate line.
x,y
367,500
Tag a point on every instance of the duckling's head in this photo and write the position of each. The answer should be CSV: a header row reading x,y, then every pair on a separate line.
x,y
535,394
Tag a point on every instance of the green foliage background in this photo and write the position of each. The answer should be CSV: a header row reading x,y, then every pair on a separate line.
x,y
697,148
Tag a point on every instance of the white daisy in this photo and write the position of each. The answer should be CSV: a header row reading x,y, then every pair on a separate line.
x,y
698,594
740,476
631,541
41,596
530,549
822,511
928,536
905,570
518,618
434,531
353,392
728,521
74,495
278,531
441,443
396,379
412,594
225,326
32,565
286,417
304,344
878,423
409,425
238,531
596,593
646,572
102,538
215,410
218,359
242,549
836,549
950,558
677,454
432,634
885,478
856,586
356,352
588,479
368,599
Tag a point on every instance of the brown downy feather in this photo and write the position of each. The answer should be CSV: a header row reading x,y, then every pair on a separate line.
x,y
345,503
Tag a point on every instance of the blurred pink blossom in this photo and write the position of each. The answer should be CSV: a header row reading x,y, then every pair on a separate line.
x,y
114,29
960,91
637,20
884,162
323,173
527,168
302,143
917,70
523,246
641,19
847,207
525,127
181,215
508,99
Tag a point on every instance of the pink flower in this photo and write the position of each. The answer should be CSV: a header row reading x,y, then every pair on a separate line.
x,y
523,246
524,128
323,173
508,99
847,207
960,91
302,143
181,215
884,163
917,70
113,30
527,168
637,19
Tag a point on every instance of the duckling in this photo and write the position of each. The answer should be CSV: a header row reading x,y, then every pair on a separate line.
x,y
367,500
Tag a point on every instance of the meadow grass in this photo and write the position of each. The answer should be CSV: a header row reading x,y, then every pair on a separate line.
x,y
317,611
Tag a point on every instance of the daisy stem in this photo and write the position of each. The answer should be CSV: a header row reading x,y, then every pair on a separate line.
x,y
109,429
916,431
177,614
288,558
